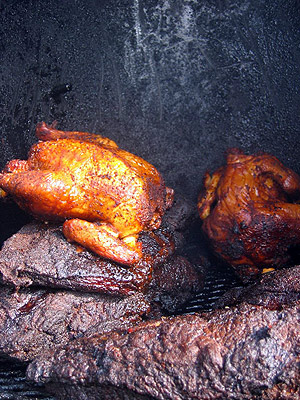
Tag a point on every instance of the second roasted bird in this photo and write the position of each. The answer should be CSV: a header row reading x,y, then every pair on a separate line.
x,y
249,212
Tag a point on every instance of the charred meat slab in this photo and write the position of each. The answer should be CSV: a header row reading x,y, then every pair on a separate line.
x,y
272,290
34,321
246,352
39,255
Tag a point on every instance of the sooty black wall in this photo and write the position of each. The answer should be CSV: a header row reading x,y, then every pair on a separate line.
x,y
174,81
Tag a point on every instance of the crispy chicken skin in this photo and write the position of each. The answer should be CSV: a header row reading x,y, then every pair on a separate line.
x,y
248,212
105,195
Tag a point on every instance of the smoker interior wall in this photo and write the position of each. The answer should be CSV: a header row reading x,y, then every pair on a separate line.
x,y
174,81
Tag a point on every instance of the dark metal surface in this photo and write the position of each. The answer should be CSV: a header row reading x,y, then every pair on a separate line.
x,y
176,82
13,384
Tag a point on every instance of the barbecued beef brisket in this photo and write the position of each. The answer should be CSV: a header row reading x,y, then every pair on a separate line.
x,y
91,346
39,255
46,314
272,290
33,321
245,352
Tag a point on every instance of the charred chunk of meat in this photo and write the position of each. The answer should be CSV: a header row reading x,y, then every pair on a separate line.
x,y
249,212
33,321
246,352
39,255
272,290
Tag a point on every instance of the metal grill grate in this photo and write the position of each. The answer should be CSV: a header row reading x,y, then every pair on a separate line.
x,y
216,284
13,384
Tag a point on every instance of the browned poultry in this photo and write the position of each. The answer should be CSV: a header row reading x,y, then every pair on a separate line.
x,y
106,195
249,212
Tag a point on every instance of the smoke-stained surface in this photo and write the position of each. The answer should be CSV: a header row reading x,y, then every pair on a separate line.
x,y
176,82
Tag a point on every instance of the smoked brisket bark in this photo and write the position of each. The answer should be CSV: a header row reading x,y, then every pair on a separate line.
x,y
40,255
173,284
34,321
272,290
245,352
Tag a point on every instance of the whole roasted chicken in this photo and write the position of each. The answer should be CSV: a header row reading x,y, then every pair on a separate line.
x,y
105,195
249,212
